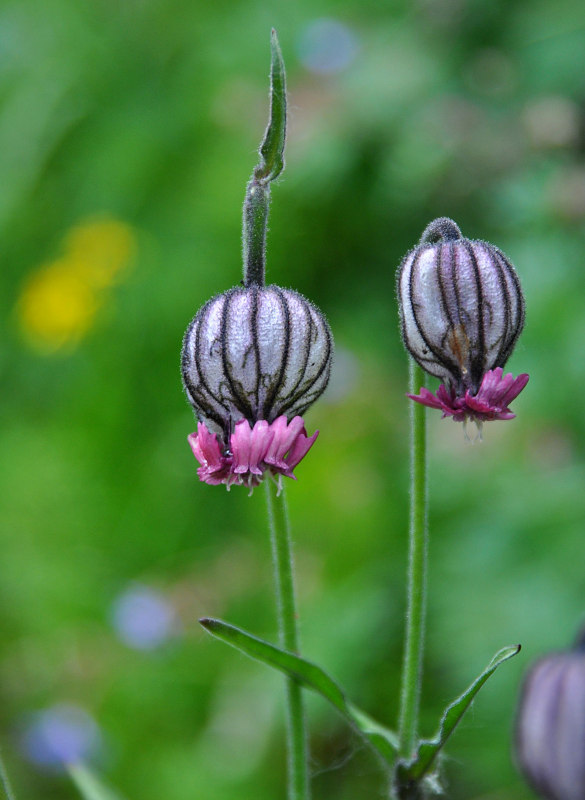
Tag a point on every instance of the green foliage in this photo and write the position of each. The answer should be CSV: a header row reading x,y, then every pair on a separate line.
x,y
272,147
428,751
310,675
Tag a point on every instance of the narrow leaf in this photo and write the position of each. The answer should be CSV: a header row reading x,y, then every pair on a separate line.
x,y
428,749
272,147
384,741
89,785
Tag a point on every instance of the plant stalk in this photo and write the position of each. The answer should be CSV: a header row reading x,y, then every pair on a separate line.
x,y
417,574
256,207
271,164
298,776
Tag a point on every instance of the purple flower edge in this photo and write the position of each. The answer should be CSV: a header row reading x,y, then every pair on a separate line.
x,y
491,402
268,448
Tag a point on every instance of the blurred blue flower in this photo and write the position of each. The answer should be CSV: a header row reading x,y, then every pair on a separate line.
x,y
143,618
61,735
327,46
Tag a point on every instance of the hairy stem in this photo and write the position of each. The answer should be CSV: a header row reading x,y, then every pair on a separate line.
x,y
298,777
271,164
417,574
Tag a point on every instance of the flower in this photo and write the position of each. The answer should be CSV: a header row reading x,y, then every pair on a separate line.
x,y
550,725
143,618
275,448
59,736
254,359
496,391
462,311
60,300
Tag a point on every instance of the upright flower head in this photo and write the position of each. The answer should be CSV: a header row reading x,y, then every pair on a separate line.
x,y
255,358
462,310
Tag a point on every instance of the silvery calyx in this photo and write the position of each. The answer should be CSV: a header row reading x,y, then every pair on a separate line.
x,y
462,311
255,357
255,353
252,355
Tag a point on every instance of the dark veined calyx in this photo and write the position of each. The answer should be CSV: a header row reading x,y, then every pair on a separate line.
x,y
256,357
461,313
550,725
255,353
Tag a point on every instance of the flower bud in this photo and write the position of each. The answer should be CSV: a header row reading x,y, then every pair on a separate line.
x,y
255,353
258,355
462,310
550,726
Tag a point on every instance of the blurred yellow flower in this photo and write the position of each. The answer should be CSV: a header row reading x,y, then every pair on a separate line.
x,y
102,247
58,302
57,306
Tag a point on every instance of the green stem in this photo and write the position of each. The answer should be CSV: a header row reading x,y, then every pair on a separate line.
x,y
271,164
298,776
256,206
417,574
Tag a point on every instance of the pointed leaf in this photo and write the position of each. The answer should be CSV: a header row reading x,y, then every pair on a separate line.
x,y
272,147
384,741
89,785
428,749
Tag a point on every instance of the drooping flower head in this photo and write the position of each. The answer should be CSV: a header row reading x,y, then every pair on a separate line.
x,y
256,357
550,725
462,311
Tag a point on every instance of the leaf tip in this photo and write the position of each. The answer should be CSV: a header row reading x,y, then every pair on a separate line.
x,y
277,60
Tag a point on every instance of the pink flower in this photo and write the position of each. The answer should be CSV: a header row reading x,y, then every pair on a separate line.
x,y
495,393
274,448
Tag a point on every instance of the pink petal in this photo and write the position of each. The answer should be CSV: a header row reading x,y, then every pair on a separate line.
x,y
262,437
206,448
240,444
212,478
516,388
284,436
299,450
496,391
426,398
276,448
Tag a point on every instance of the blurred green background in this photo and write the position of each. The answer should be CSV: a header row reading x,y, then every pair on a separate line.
x,y
127,134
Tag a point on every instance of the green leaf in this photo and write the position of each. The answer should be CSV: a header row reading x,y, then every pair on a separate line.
x,y
89,785
384,741
428,749
272,147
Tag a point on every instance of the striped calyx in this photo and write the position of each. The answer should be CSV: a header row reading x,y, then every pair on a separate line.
x,y
550,726
255,353
461,306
